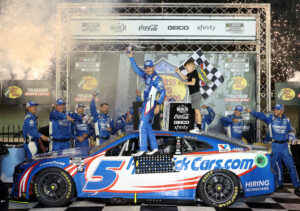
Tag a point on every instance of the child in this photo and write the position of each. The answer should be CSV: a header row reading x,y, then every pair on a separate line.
x,y
193,83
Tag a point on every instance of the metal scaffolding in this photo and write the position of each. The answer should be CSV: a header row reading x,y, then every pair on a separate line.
x,y
261,46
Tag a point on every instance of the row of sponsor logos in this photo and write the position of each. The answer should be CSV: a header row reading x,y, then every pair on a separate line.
x,y
16,92
121,27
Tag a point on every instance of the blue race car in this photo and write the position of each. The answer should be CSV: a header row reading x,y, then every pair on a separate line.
x,y
212,168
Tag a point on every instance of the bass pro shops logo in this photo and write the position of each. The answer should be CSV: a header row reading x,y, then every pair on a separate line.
x,y
13,92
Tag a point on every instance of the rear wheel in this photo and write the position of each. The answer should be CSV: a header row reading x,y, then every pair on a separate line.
x,y
218,188
54,187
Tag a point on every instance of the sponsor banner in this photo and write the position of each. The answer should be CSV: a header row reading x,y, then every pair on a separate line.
x,y
164,27
21,91
287,93
181,117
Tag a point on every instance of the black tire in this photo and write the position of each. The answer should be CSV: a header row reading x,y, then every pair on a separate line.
x,y
53,187
218,188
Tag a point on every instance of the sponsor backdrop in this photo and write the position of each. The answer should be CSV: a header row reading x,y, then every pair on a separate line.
x,y
111,74
21,91
287,93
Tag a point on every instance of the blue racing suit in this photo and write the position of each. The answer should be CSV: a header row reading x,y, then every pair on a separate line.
x,y
278,128
234,129
207,118
79,127
102,123
59,130
121,124
31,135
153,85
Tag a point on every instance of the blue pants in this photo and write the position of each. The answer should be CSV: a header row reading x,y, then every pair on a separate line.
x,y
60,145
146,131
279,171
282,151
31,149
85,143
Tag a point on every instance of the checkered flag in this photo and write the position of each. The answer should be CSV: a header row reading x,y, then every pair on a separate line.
x,y
213,77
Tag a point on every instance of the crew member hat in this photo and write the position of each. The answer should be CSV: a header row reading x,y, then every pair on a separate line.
x,y
279,107
239,108
60,101
31,103
148,63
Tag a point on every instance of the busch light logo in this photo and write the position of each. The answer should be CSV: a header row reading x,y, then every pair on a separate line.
x,y
182,109
119,27
224,147
152,27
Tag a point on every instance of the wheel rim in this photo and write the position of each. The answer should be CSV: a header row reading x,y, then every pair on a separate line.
x,y
53,187
219,188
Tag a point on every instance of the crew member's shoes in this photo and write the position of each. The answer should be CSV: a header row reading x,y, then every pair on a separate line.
x,y
139,153
195,131
279,188
153,152
297,191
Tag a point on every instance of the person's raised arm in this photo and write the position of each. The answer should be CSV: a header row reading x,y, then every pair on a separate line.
x,y
134,66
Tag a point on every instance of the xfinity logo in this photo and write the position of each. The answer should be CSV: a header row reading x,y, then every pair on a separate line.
x,y
152,27
206,28
178,27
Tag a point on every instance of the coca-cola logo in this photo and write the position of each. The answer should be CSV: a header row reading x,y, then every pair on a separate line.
x,y
182,109
181,116
152,27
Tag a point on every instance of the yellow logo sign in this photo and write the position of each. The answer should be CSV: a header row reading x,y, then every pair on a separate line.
x,y
88,83
173,88
239,83
286,94
13,92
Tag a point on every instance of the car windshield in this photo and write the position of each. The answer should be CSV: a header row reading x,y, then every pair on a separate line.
x,y
101,146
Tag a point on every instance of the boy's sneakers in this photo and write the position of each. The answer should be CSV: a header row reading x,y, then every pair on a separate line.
x,y
195,131
153,152
139,153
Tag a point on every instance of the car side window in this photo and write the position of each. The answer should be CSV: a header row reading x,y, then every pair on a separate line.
x,y
189,146
125,148
166,144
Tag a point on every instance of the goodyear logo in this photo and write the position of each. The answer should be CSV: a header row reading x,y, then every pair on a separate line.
x,y
13,92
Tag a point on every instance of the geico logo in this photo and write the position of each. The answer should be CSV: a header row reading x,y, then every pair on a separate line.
x,y
182,122
178,27
199,164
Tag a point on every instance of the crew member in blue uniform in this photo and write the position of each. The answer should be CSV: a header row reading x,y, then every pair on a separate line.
x,y
80,128
207,118
124,124
153,87
281,132
103,123
30,131
60,127
234,123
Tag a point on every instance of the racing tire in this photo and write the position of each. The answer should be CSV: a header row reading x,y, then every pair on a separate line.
x,y
218,188
53,187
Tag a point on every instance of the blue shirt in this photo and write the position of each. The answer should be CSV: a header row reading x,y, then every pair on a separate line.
x,y
79,127
60,126
30,127
278,128
208,118
102,121
234,129
153,85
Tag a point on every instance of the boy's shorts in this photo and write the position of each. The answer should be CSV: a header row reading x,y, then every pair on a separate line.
x,y
195,100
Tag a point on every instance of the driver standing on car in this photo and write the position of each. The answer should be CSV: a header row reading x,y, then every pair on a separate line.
x,y
281,132
151,106
30,131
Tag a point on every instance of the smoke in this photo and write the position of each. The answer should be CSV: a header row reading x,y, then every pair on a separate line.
x,y
296,77
27,39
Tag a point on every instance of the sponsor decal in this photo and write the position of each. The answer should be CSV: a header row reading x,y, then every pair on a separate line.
x,y
90,27
237,98
286,94
53,162
182,109
224,147
88,83
238,83
152,27
118,27
259,185
37,92
13,92
178,28
261,160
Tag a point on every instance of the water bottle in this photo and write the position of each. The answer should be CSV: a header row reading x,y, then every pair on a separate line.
x,y
129,48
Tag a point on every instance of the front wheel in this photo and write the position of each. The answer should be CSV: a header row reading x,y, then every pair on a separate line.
x,y
53,187
218,188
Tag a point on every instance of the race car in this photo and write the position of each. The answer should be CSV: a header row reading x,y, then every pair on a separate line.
x,y
207,167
